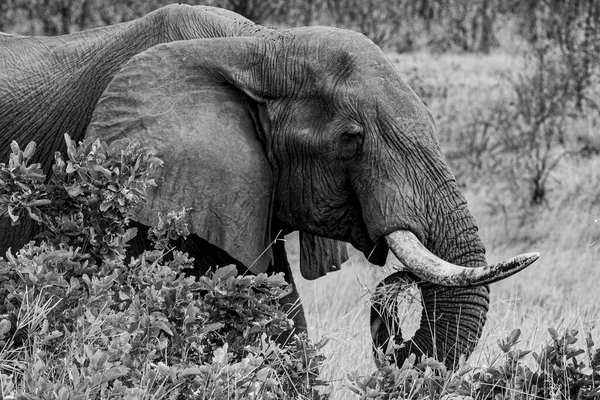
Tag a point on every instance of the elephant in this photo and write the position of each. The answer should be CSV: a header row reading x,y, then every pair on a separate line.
x,y
264,132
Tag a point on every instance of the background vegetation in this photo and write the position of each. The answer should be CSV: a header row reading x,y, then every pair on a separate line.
x,y
514,87
403,25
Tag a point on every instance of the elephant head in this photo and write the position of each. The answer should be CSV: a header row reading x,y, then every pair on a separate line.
x,y
310,129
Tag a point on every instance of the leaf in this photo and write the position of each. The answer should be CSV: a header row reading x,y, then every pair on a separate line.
x,y
129,234
14,217
514,336
464,370
71,168
5,326
589,342
74,375
156,161
35,173
74,190
211,328
571,339
107,174
431,363
163,326
34,214
586,370
71,147
40,202
574,353
164,369
29,150
191,371
220,355
63,393
105,206
14,146
98,359
263,373
114,372
518,354
225,272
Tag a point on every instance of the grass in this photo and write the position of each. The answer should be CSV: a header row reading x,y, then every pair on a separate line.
x,y
559,291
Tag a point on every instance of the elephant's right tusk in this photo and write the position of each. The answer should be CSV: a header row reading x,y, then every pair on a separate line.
x,y
427,266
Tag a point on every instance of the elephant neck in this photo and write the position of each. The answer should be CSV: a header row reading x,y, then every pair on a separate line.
x,y
59,81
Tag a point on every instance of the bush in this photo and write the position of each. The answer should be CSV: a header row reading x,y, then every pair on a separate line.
x,y
77,322
145,328
512,146
89,198
562,371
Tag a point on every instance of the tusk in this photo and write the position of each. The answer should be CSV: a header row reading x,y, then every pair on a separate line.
x,y
426,265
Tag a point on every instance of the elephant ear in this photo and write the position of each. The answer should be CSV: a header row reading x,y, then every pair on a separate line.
x,y
182,99
319,255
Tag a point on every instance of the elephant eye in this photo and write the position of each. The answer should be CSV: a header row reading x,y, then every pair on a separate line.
x,y
351,142
350,136
353,132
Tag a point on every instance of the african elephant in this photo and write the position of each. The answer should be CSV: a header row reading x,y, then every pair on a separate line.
x,y
264,132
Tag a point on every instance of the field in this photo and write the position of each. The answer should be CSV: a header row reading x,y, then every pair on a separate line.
x,y
483,106
561,290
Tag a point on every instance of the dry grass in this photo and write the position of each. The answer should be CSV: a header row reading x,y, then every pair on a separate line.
x,y
561,290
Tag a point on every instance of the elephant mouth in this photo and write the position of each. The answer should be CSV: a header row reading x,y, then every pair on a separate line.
x,y
376,253
427,266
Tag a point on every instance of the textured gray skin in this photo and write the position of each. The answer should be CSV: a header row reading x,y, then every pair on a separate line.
x,y
312,125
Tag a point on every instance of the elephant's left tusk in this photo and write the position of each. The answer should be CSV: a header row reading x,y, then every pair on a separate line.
x,y
426,265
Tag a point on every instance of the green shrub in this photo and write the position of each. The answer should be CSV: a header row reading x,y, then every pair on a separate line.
x,y
562,371
77,322
145,326
88,200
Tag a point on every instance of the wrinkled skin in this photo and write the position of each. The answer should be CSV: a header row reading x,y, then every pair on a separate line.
x,y
307,129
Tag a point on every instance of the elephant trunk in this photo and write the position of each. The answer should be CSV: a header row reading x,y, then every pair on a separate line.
x,y
454,298
451,321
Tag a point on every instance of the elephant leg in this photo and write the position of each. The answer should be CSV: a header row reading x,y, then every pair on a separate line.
x,y
206,256
290,303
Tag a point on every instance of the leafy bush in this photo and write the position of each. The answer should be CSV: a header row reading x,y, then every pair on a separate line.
x,y
89,198
145,328
562,371
77,322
